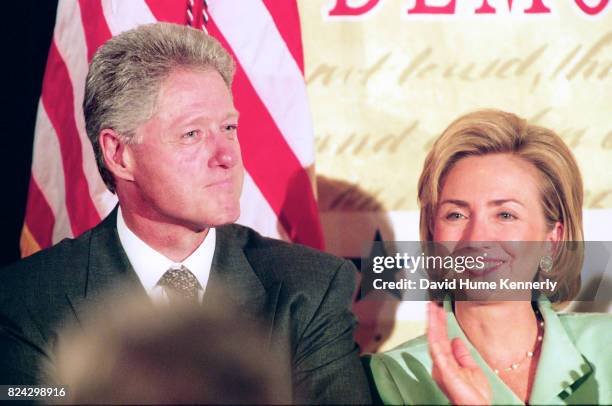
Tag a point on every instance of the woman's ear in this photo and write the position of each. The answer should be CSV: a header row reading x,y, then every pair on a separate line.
x,y
116,154
554,237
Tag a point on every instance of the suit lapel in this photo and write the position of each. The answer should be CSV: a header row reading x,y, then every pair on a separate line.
x,y
232,273
108,269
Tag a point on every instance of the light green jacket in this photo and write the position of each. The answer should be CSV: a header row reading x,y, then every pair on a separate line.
x,y
575,365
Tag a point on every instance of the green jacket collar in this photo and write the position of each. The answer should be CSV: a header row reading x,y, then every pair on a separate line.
x,y
561,367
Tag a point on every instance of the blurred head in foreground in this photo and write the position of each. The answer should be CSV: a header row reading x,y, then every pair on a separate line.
x,y
492,176
169,354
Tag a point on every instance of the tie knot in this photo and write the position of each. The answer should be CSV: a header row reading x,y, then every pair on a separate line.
x,y
180,283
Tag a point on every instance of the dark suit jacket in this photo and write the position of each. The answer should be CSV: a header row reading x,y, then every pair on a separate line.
x,y
302,297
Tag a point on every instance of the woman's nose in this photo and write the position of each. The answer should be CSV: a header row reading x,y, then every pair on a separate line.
x,y
478,228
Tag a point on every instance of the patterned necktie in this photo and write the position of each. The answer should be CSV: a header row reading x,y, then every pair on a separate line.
x,y
180,284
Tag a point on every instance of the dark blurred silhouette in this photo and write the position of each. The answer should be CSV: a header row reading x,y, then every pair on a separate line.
x,y
168,354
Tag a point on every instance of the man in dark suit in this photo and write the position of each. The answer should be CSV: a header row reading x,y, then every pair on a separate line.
x,y
160,115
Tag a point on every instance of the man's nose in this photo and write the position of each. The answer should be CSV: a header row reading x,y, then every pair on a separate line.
x,y
226,153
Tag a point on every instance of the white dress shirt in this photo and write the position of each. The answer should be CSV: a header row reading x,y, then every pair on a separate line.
x,y
150,265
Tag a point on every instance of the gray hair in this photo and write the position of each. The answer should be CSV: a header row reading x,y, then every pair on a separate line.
x,y
127,71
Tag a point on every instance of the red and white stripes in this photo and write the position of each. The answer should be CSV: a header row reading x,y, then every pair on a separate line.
x,y
67,195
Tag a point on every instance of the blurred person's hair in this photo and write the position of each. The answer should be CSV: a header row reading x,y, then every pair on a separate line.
x,y
496,132
144,353
126,73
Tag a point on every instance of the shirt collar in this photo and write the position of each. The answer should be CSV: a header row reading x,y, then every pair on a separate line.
x,y
561,367
150,265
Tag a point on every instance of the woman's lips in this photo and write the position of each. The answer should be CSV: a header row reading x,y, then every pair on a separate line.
x,y
490,265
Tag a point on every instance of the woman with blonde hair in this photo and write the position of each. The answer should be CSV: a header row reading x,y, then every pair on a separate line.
x,y
490,179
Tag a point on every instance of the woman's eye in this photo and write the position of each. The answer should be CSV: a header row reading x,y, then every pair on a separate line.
x,y
504,215
454,216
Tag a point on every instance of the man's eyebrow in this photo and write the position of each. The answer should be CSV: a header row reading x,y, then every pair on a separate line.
x,y
232,114
190,118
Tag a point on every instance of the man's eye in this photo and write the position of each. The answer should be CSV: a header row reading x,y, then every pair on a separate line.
x,y
190,134
454,216
230,127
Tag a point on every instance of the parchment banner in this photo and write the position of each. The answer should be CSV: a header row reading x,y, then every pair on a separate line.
x,y
384,84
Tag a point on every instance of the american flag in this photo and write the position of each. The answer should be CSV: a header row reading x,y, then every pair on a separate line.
x,y
66,194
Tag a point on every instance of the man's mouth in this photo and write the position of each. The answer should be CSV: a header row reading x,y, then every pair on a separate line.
x,y
222,183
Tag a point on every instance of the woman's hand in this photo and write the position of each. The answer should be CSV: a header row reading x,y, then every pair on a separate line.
x,y
454,369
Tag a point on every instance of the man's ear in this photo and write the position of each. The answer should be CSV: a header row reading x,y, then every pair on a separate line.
x,y
117,155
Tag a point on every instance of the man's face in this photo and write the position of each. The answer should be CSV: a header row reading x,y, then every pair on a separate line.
x,y
187,169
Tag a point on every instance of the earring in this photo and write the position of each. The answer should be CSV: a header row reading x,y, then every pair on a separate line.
x,y
546,264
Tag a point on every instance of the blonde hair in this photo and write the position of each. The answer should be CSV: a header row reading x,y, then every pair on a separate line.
x,y
493,131
127,71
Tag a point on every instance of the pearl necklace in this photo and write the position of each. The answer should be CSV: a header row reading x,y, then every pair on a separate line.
x,y
528,354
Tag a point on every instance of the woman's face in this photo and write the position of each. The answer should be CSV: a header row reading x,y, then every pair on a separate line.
x,y
487,204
